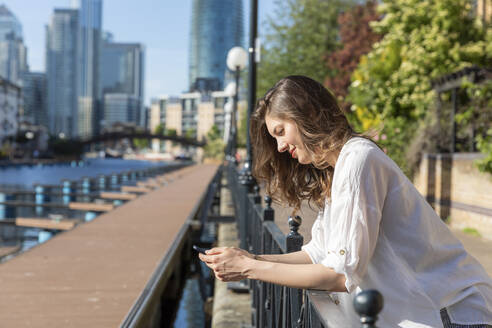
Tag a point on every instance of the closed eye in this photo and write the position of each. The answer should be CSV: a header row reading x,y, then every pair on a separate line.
x,y
279,131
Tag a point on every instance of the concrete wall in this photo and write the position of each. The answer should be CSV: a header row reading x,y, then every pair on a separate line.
x,y
457,190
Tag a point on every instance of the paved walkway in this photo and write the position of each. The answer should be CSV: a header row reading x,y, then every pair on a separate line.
x,y
92,275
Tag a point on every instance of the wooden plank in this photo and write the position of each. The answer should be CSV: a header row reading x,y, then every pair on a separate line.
x,y
7,250
117,195
47,223
136,189
148,184
90,207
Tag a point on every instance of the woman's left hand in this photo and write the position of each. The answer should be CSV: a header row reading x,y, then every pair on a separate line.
x,y
228,263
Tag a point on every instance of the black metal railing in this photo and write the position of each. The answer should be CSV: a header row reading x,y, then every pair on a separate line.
x,y
274,305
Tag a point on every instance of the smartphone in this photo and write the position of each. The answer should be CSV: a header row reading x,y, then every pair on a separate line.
x,y
199,249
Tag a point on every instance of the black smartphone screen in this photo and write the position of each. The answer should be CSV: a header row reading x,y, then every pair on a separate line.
x,y
199,249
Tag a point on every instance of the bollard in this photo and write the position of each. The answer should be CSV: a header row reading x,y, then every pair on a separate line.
x,y
102,182
41,197
124,178
7,212
114,181
68,188
368,304
86,188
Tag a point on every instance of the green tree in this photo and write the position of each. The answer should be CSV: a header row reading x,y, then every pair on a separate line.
x,y
391,88
171,132
215,145
141,143
357,38
243,125
159,129
298,36
190,133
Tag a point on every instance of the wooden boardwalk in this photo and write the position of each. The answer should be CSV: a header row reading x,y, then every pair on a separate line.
x,y
92,275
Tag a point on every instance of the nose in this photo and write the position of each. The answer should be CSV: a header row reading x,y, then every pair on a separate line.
x,y
282,146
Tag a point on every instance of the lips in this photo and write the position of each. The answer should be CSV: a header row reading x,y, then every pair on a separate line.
x,y
292,151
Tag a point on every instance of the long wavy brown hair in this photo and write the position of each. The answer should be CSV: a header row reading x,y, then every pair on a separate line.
x,y
324,130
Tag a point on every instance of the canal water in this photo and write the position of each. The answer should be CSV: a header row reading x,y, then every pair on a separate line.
x,y
25,177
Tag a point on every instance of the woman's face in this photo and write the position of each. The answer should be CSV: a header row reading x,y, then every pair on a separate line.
x,y
288,138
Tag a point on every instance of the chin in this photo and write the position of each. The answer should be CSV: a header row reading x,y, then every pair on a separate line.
x,y
303,161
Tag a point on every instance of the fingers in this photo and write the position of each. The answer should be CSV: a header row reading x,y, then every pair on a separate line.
x,y
216,250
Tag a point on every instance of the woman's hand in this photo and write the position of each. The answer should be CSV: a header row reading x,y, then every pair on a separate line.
x,y
228,263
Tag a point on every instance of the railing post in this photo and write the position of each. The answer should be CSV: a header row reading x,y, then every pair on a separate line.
x,y
293,302
294,239
268,213
264,303
368,304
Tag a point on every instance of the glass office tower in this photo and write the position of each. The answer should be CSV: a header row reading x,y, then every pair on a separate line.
x,y
90,43
122,72
34,92
13,53
216,27
61,71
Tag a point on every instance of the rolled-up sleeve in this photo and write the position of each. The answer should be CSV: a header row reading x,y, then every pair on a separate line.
x,y
358,193
315,248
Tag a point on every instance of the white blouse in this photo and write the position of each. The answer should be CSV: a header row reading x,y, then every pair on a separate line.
x,y
380,233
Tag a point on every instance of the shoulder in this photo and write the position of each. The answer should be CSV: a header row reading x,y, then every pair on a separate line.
x,y
359,154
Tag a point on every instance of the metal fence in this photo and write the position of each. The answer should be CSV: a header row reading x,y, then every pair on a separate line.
x,y
274,305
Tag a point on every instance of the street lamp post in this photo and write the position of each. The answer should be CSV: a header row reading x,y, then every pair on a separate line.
x,y
246,174
236,61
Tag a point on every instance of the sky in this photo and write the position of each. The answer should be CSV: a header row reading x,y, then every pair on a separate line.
x,y
162,26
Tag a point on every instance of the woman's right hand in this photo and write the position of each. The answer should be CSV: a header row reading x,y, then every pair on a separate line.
x,y
228,263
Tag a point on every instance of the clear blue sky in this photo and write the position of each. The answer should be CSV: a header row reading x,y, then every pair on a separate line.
x,y
163,26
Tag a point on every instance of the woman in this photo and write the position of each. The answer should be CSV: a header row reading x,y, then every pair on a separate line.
x,y
374,230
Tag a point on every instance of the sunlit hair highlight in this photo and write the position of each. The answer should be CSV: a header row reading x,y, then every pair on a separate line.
x,y
324,130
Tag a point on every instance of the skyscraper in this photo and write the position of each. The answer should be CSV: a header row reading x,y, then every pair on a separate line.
x,y
89,47
13,53
34,92
216,27
122,72
61,70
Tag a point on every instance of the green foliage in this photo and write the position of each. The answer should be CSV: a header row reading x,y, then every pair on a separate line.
x,y
471,231
190,133
171,132
241,131
422,40
141,143
484,144
215,144
159,129
298,37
